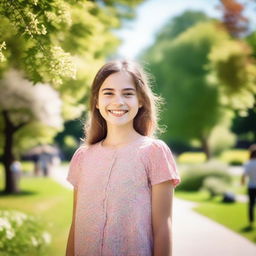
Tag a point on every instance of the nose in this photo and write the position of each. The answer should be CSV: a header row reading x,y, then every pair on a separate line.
x,y
119,100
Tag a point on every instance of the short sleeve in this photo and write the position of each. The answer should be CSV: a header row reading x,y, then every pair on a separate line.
x,y
245,168
162,166
75,167
248,167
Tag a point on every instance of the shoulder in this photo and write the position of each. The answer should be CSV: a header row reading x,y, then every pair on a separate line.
x,y
80,152
153,145
156,150
250,163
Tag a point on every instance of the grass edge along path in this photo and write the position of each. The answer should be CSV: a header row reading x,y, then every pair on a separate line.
x,y
231,215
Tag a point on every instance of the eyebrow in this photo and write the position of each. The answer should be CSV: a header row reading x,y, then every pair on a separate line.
x,y
112,89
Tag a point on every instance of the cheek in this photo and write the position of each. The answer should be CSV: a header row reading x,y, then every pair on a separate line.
x,y
134,102
102,102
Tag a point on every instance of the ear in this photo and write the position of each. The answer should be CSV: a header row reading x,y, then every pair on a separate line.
x,y
140,105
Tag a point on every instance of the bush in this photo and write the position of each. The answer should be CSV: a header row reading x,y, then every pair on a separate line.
x,y
22,235
215,186
221,138
235,156
191,158
236,162
193,178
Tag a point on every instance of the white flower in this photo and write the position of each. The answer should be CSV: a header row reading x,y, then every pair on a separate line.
x,y
19,218
4,224
34,241
10,234
46,237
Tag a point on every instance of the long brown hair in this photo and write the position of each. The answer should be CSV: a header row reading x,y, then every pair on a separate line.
x,y
146,120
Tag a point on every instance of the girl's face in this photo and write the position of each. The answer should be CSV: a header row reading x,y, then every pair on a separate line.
x,y
118,101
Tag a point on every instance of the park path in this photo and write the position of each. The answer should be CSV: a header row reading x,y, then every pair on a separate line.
x,y
193,234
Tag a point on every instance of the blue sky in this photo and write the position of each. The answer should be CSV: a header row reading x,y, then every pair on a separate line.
x,y
151,16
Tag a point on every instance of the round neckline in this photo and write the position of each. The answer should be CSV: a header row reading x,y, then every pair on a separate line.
x,y
108,148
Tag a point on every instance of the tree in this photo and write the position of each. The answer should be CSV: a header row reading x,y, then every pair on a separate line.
x,y
22,104
182,78
58,42
53,30
202,73
232,66
238,26
172,29
233,18
179,24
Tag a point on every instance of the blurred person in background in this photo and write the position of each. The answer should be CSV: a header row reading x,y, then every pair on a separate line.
x,y
250,172
16,168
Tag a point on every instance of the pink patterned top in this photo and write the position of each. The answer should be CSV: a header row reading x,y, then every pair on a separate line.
x,y
113,215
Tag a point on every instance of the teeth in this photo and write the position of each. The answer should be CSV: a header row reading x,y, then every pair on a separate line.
x,y
118,112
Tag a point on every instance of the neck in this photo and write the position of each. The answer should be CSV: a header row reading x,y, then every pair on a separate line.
x,y
118,135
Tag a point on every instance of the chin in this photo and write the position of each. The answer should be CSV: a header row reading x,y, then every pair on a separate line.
x,y
119,122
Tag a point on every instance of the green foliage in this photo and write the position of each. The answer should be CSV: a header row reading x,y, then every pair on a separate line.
x,y
203,75
33,20
181,23
251,40
245,125
69,147
21,234
232,65
193,178
53,30
181,76
70,138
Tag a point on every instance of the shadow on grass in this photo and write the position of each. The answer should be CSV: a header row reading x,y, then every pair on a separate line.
x,y
247,229
19,194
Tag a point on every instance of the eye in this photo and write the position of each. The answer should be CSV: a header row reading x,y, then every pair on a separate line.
x,y
128,94
108,93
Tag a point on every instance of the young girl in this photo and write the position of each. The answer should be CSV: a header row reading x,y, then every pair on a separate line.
x,y
123,177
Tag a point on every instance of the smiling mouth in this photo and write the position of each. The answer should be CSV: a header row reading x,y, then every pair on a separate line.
x,y
118,113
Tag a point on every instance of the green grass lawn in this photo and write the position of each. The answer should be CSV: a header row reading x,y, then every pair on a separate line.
x,y
49,201
233,216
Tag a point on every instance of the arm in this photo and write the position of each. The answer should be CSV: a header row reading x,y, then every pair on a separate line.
x,y
243,179
162,195
70,244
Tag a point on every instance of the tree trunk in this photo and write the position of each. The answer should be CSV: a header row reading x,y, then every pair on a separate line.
x,y
11,185
205,147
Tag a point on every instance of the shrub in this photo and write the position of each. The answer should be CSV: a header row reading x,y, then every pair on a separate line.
x,y
22,235
236,162
235,156
221,138
193,178
215,186
191,158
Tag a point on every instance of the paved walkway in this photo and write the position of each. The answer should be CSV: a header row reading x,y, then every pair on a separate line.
x,y
193,234
197,235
